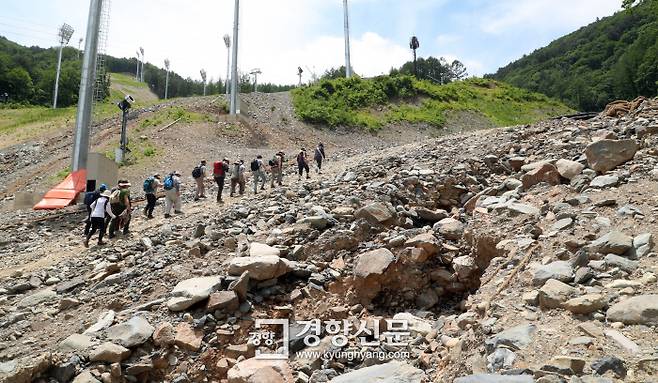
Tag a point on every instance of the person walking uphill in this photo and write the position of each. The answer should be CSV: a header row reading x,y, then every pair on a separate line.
x,y
120,204
172,186
302,164
219,170
151,185
276,167
99,208
199,175
258,170
90,198
237,177
319,156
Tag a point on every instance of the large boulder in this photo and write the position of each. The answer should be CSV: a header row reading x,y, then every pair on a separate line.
x,y
614,242
109,352
641,309
190,291
450,228
546,173
585,304
555,293
373,263
376,214
134,332
569,169
559,270
260,371
605,155
391,372
515,338
260,268
260,249
427,242
43,296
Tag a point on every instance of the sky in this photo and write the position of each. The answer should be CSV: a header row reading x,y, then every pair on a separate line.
x,y
277,36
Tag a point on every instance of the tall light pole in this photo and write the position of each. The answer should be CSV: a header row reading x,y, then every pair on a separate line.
x,y
79,46
227,42
167,79
87,79
234,71
137,71
203,77
141,73
299,73
255,72
65,33
348,65
414,44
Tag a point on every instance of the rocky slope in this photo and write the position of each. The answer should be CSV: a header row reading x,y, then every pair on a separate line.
x,y
522,254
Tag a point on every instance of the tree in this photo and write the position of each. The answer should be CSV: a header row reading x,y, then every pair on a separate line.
x,y
458,70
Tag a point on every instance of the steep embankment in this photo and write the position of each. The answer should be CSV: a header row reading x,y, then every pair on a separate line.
x,y
614,58
522,251
388,100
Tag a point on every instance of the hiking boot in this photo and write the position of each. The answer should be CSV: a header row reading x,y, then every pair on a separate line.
x,y
178,212
308,177
150,216
85,242
203,196
101,243
167,215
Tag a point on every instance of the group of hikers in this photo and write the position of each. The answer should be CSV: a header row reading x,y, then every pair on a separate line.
x,y
111,209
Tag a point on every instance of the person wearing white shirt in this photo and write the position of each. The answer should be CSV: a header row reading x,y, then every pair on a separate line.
x,y
99,209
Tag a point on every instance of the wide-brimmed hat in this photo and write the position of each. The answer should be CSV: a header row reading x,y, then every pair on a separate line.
x,y
177,173
124,184
106,193
156,175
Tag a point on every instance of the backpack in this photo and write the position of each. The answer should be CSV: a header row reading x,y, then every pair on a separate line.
x,y
115,197
90,197
272,163
218,169
236,171
255,165
168,182
197,172
148,185
300,158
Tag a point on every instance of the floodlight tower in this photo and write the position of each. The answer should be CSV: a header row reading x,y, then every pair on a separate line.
x,y
87,79
79,46
203,77
167,79
348,65
255,72
299,73
234,69
65,33
414,44
141,73
227,42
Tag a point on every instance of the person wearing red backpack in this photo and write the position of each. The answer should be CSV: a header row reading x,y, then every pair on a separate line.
x,y
220,168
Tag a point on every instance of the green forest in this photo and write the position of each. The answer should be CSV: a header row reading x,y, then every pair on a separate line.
x,y
613,58
27,75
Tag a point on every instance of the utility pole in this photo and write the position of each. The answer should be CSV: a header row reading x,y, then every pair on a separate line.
x,y
167,79
65,33
255,72
203,77
234,71
348,65
414,44
79,46
141,73
227,42
299,73
87,79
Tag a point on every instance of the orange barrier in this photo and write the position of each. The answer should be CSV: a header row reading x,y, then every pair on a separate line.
x,y
63,194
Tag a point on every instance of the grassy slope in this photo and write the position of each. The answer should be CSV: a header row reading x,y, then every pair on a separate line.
x,y
22,124
373,103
